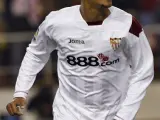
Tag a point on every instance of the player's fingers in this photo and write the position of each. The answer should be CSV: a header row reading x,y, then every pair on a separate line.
x,y
21,103
9,109
20,110
14,108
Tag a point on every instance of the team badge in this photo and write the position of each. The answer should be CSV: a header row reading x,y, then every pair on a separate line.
x,y
115,43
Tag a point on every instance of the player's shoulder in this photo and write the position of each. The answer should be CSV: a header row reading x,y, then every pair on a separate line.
x,y
59,18
62,15
131,23
68,10
135,27
120,15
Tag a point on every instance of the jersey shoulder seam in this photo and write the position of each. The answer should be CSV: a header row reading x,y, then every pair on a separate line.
x,y
136,27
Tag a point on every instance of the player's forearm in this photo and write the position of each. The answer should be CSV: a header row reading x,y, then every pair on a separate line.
x,y
134,98
31,66
135,94
141,77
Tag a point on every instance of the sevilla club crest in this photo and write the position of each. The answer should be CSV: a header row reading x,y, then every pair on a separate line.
x,y
115,42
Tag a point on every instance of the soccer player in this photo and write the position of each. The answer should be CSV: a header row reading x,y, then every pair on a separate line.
x,y
105,63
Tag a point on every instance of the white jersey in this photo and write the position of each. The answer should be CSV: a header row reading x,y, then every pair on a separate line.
x,y
103,70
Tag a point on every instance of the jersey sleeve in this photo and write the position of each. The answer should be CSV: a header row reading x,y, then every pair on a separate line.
x,y
140,56
36,57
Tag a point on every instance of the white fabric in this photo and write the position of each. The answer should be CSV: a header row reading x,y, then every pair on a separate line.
x,y
103,87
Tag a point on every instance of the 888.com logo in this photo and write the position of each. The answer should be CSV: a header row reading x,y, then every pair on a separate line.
x,y
100,60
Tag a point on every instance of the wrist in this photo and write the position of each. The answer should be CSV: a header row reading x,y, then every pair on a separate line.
x,y
20,94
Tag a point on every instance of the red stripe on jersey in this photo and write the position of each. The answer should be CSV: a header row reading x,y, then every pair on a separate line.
x,y
136,28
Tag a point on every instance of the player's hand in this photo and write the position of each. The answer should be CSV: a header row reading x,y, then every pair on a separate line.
x,y
16,107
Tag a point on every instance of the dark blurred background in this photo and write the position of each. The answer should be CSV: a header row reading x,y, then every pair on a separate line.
x,y
19,20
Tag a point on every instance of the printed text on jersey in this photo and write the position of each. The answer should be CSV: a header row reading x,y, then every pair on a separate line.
x,y
83,61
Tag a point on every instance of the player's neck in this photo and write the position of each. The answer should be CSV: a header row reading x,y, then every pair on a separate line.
x,y
92,13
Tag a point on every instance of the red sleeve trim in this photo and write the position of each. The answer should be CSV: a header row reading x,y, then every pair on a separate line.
x,y
136,28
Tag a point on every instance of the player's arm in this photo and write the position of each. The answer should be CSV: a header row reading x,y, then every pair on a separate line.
x,y
141,61
34,60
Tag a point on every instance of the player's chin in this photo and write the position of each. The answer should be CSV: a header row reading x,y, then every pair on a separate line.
x,y
108,4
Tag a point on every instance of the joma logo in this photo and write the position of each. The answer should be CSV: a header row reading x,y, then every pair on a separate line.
x,y
76,41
